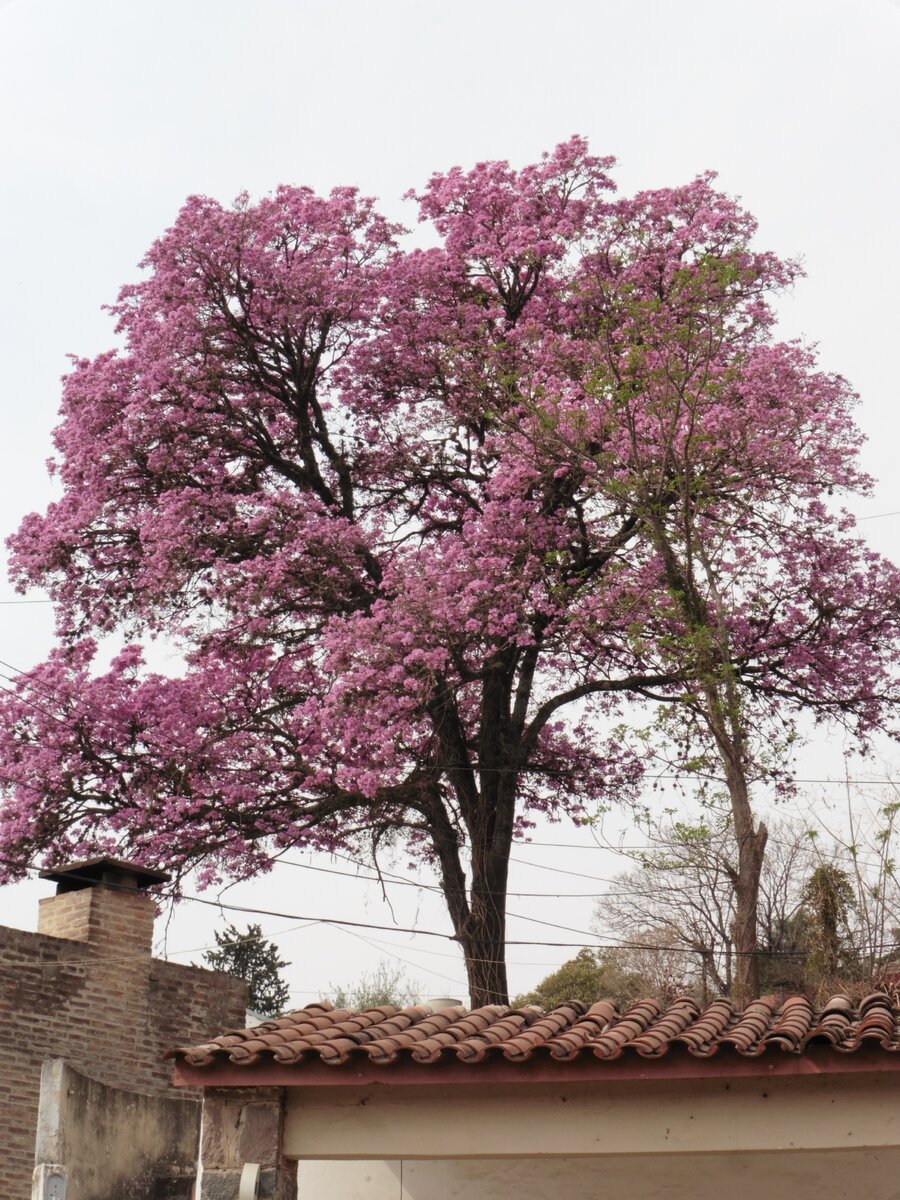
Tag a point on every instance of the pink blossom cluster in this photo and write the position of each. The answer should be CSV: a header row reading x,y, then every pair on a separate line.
x,y
416,518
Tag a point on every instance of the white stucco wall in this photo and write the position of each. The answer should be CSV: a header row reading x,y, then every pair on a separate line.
x,y
825,1137
733,1116
802,1175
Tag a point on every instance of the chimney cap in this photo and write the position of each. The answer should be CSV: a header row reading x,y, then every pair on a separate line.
x,y
93,871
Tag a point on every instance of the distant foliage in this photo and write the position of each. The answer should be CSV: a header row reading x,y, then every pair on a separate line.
x,y
247,954
588,977
828,904
385,985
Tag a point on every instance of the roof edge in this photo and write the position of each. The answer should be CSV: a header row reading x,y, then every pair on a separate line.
x,y
677,1063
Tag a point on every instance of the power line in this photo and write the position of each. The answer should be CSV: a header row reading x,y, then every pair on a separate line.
x,y
808,839
387,877
447,978
343,922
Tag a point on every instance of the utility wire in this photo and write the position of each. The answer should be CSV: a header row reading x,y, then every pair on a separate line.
x,y
450,937
387,877
447,978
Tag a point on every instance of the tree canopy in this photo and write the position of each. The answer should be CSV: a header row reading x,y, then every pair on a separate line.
x,y
590,976
420,519
248,955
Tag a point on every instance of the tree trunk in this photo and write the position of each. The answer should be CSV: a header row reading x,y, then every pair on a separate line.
x,y
483,937
479,922
751,848
719,703
478,911
485,951
724,720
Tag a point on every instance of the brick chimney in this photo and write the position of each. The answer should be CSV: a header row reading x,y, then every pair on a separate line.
x,y
102,902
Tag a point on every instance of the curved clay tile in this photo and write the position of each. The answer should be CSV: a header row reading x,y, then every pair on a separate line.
x,y
420,1035
289,1053
383,1051
831,1030
443,1019
540,1033
882,999
792,1024
430,1049
841,1003
241,1057
621,1032
471,1050
336,1051
569,1044
387,1046
656,1039
521,1047
877,1022
505,1031
603,1011
449,1034
750,1027
496,1037
199,1056
702,1036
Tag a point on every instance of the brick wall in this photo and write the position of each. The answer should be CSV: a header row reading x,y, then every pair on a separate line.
x,y
85,988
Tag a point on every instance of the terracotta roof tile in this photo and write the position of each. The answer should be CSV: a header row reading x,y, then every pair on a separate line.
x,y
646,1029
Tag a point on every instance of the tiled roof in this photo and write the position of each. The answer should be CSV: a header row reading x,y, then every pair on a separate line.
x,y
648,1029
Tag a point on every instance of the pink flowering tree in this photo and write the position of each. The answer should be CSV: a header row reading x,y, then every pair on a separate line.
x,y
421,522
725,445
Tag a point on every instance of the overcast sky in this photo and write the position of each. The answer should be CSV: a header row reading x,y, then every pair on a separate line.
x,y
112,113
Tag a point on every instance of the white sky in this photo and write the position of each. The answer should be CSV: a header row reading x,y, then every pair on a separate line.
x,y
113,112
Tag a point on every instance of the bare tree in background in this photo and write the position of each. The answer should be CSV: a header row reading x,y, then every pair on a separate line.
x,y
683,889
829,897
864,834
656,957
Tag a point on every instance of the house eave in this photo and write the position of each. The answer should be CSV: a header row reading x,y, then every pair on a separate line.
x,y
678,1063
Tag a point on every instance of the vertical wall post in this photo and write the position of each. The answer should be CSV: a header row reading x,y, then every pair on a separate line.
x,y
243,1129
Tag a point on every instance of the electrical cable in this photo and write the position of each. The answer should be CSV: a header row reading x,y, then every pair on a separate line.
x,y
450,937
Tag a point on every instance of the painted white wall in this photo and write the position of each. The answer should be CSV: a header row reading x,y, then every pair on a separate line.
x,y
712,1116
821,1137
803,1175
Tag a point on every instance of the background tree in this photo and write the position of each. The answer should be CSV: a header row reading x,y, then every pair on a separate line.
x,y
657,959
590,976
864,837
418,520
757,610
385,985
827,903
248,955
684,890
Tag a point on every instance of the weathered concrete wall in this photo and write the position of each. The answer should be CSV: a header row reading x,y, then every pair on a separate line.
x,y
111,1144
240,1126
85,988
